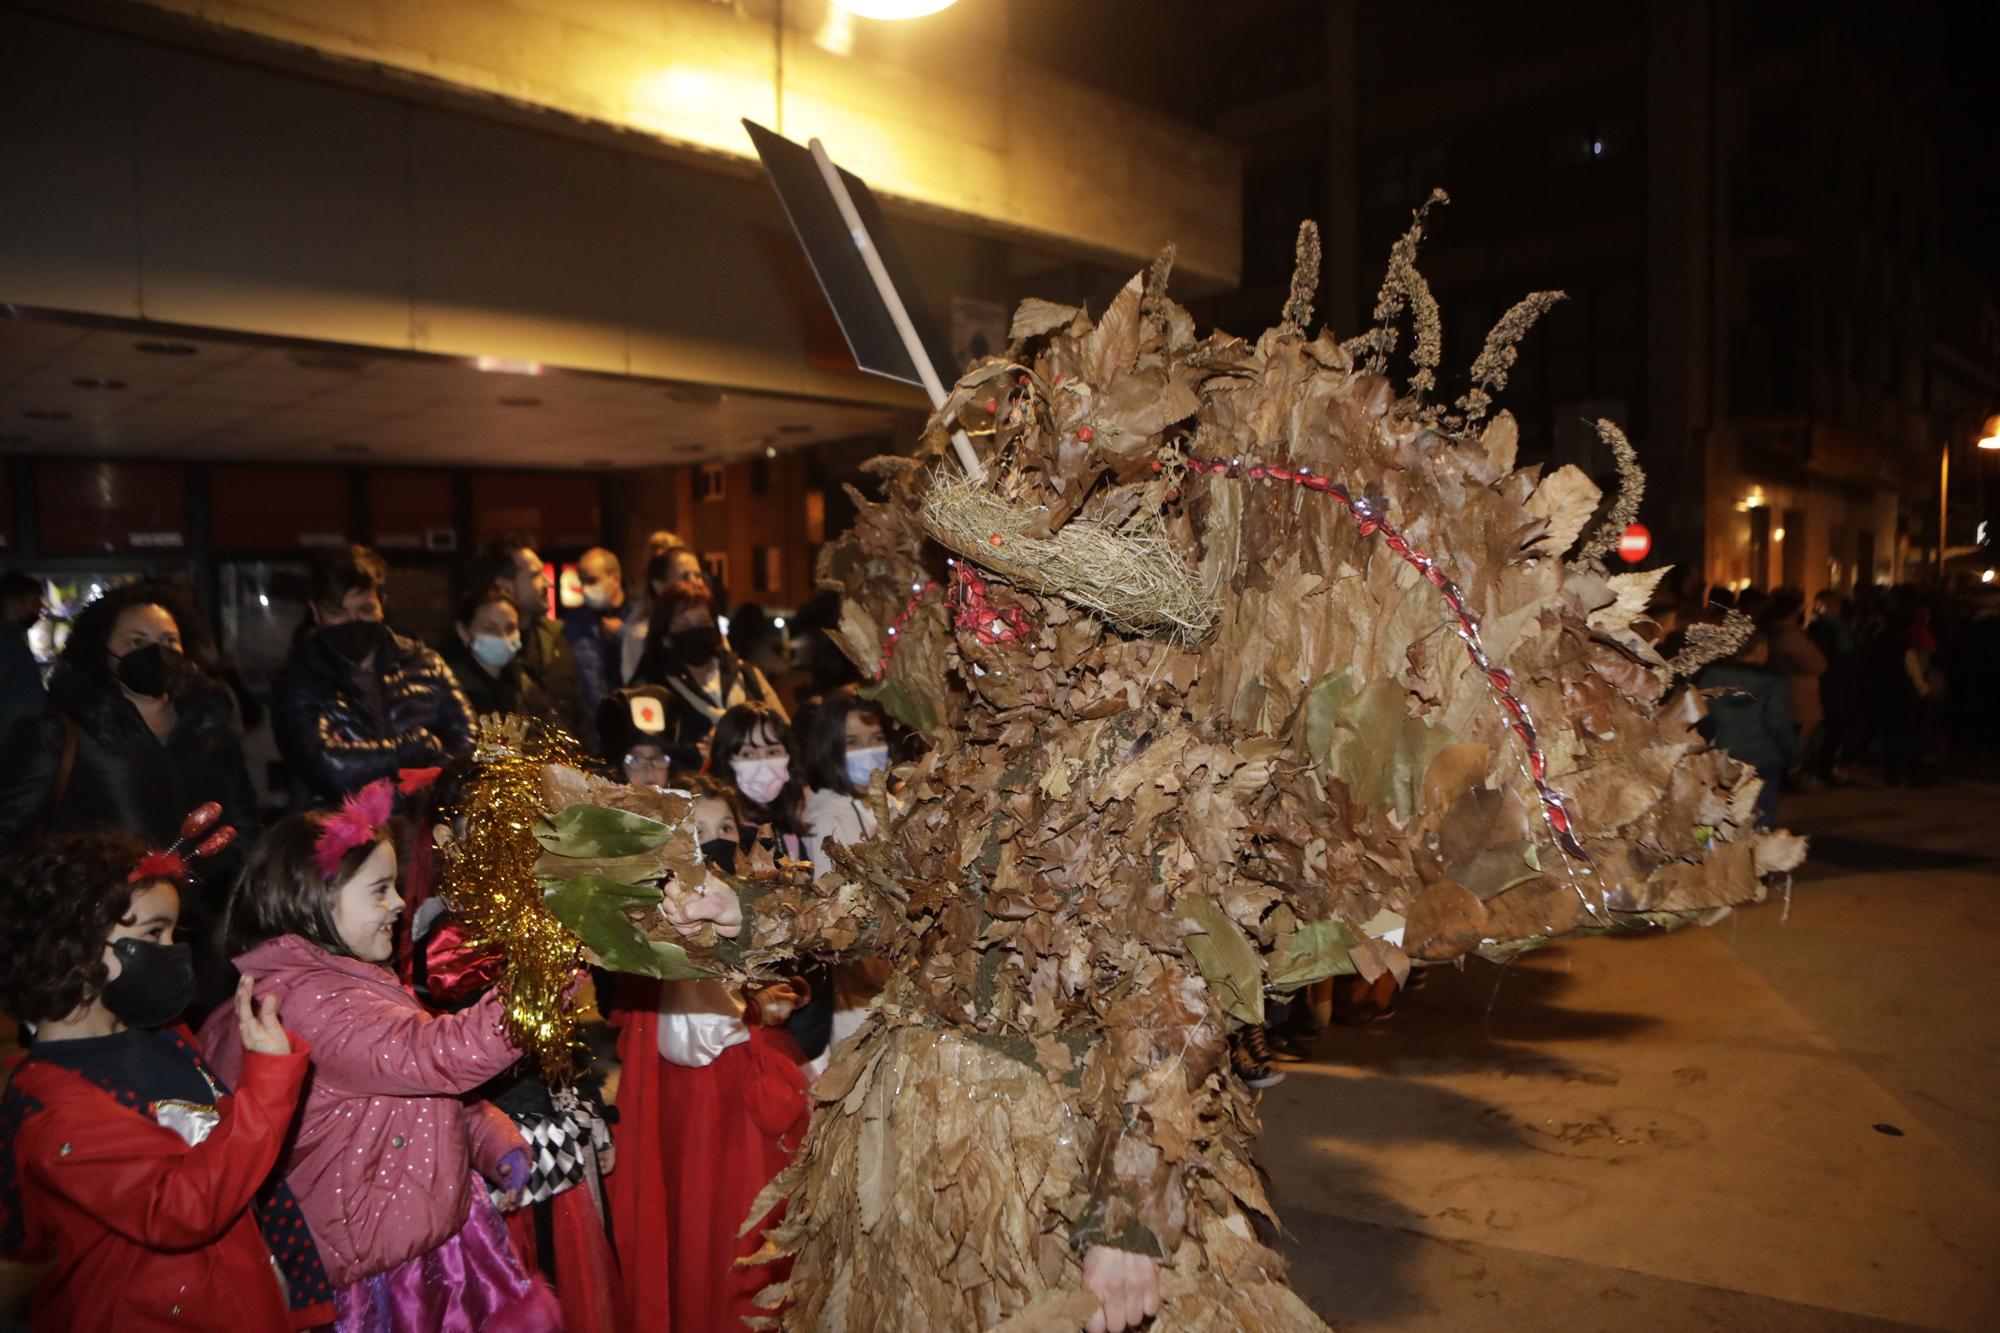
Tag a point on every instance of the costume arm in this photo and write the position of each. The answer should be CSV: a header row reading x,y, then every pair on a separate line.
x,y
152,1188
370,1043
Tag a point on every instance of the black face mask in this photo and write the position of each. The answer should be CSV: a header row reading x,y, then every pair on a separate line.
x,y
696,644
720,853
354,640
150,671
154,983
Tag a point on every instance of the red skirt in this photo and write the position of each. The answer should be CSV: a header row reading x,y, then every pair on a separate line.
x,y
696,1146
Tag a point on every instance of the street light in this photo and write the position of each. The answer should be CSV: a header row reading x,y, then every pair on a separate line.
x,y
1989,434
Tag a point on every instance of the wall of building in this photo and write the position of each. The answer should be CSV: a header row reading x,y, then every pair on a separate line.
x,y
938,114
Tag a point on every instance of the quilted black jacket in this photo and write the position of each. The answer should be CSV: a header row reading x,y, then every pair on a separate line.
x,y
340,727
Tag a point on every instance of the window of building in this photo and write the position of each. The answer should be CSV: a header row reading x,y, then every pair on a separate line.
x,y
711,482
767,568
715,564
760,476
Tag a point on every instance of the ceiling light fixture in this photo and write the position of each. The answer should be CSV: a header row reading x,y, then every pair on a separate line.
x,y
770,451
501,365
893,9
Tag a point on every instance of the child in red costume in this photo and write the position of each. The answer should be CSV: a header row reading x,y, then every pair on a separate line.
x,y
128,1167
712,1103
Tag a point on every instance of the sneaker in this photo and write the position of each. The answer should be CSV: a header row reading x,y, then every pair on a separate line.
x,y
1253,1072
1286,1047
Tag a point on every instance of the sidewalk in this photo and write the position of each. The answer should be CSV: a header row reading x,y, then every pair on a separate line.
x,y
1772,1124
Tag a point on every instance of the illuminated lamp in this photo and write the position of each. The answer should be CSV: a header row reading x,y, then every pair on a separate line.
x,y
1989,434
893,9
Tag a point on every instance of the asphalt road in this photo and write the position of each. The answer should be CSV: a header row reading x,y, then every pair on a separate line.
x,y
1785,1121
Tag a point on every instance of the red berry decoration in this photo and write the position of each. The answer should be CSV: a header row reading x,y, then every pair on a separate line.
x,y
1085,434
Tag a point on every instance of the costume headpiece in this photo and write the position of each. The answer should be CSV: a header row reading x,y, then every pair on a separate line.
x,y
362,815
170,862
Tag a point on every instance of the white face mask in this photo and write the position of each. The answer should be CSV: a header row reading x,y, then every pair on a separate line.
x,y
494,651
863,764
760,780
597,596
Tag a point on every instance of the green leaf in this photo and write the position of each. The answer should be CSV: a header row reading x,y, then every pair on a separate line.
x,y
593,909
1318,950
911,707
1329,695
1227,960
1380,751
596,832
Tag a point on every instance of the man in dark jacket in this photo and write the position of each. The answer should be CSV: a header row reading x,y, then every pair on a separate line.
x,y
545,656
357,701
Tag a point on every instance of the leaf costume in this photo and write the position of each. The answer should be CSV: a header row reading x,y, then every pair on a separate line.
x,y
1248,671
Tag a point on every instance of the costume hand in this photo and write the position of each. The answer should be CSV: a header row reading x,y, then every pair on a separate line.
x,y
258,1022
1126,1284
715,903
773,1004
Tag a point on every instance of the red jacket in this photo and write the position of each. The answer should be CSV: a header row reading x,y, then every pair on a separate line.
x,y
142,1231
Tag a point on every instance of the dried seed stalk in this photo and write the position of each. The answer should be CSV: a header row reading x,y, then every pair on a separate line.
x,y
1305,281
1711,643
1625,510
1400,285
1496,358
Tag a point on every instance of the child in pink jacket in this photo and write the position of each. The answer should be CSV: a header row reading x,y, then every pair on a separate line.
x,y
386,1147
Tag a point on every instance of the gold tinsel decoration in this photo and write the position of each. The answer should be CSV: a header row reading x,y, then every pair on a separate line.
x,y
488,880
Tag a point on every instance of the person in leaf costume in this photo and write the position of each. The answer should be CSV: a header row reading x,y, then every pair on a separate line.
x,y
1248,670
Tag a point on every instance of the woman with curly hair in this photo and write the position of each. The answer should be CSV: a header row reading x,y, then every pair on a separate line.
x,y
126,1165
136,735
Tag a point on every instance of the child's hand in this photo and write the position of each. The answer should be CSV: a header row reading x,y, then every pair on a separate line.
x,y
262,1032
714,903
511,1177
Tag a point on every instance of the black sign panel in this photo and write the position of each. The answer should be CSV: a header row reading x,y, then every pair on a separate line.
x,y
836,261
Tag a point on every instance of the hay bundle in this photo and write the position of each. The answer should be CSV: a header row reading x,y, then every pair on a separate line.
x,y
1131,576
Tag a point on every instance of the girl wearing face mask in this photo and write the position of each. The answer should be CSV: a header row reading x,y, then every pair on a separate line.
x,y
137,1173
135,736
843,746
752,752
387,1157
484,654
712,1103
